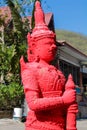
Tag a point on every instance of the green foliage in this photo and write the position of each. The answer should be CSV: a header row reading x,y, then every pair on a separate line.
x,y
11,96
6,55
18,30
17,21
13,45
78,41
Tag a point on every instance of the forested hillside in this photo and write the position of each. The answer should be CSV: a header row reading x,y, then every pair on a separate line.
x,y
76,40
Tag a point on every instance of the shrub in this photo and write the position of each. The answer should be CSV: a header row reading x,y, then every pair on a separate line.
x,y
11,96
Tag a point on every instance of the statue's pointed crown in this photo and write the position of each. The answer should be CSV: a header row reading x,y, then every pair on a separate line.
x,y
40,30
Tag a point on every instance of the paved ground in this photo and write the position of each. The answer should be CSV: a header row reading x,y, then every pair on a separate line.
x,y
82,124
9,124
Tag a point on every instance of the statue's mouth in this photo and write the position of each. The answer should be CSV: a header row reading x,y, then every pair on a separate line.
x,y
53,51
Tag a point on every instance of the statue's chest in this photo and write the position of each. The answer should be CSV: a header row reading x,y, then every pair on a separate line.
x,y
48,79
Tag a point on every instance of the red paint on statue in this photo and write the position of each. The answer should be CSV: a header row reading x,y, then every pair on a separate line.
x,y
72,109
47,95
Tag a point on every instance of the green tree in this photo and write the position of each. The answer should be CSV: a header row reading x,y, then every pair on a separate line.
x,y
14,36
13,44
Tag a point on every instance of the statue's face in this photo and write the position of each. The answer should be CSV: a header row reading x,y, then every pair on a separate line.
x,y
46,49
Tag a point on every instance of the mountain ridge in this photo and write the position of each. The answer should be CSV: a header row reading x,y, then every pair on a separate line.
x,y
76,40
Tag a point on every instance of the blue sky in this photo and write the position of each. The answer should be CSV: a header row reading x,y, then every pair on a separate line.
x,y
69,15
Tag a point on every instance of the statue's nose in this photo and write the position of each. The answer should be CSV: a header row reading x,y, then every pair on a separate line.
x,y
54,46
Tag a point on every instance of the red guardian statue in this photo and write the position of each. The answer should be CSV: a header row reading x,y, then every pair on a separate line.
x,y
51,99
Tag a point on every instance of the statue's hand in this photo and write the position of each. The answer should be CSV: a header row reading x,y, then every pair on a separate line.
x,y
69,97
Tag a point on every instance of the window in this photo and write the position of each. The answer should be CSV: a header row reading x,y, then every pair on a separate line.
x,y
68,68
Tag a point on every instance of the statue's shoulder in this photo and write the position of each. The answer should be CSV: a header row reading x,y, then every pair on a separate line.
x,y
32,65
27,66
32,68
60,72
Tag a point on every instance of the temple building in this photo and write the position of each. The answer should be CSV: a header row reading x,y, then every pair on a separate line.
x,y
72,61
